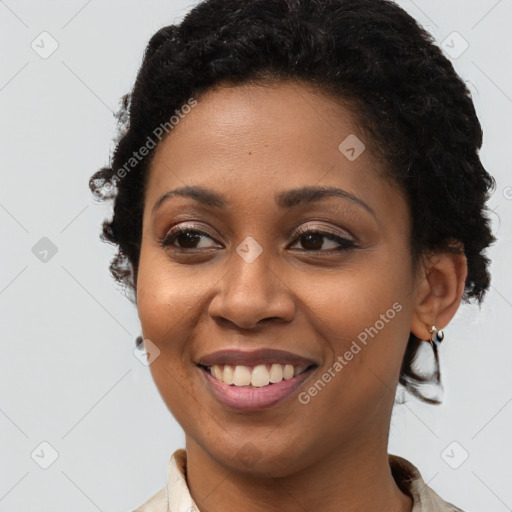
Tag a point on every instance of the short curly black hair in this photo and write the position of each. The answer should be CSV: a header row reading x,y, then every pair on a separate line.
x,y
408,98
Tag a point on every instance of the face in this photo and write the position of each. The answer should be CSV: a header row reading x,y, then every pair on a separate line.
x,y
276,238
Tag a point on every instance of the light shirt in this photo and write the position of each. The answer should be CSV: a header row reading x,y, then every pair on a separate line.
x,y
175,497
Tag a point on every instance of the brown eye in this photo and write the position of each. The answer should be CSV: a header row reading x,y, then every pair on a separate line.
x,y
188,239
313,240
185,238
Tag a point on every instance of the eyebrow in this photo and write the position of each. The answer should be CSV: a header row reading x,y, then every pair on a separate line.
x,y
287,199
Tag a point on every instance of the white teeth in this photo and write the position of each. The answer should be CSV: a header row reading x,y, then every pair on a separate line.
x,y
260,376
298,370
276,373
217,372
242,376
288,372
228,374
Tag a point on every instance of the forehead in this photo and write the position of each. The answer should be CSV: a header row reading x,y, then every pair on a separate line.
x,y
256,140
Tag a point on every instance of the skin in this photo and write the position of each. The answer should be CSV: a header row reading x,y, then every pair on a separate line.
x,y
249,143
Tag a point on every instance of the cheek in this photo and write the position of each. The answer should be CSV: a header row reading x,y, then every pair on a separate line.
x,y
169,296
346,303
363,317
364,324
168,302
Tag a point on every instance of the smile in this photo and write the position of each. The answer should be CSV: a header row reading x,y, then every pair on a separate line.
x,y
247,388
255,376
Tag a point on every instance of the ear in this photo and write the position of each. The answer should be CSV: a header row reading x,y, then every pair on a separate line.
x,y
439,292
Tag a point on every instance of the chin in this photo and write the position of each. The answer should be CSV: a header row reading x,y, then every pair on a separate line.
x,y
257,458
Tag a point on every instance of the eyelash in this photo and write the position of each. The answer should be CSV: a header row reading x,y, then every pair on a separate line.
x,y
344,244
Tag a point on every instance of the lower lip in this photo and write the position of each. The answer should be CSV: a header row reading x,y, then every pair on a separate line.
x,y
249,398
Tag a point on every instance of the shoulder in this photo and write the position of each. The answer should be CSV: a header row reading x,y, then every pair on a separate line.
x,y
175,494
410,481
157,503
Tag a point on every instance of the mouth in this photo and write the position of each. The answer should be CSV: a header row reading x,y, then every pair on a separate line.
x,y
257,376
246,388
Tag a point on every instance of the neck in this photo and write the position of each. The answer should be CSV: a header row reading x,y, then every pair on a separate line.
x,y
357,479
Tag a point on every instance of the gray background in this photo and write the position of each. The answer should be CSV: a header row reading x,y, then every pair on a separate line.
x,y
68,373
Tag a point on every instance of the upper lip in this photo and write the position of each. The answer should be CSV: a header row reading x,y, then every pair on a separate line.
x,y
235,357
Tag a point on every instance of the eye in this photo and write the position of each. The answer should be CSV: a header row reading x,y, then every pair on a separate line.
x,y
186,237
312,240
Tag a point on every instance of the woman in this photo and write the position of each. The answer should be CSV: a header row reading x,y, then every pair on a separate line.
x,y
299,205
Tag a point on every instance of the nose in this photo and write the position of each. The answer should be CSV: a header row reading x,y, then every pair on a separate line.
x,y
250,294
